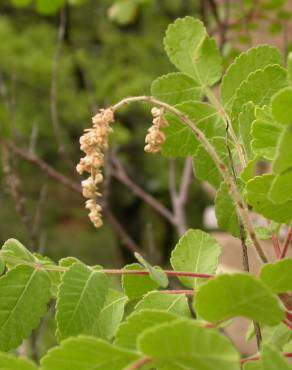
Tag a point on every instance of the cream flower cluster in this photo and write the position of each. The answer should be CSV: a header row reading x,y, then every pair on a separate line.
x,y
155,137
94,143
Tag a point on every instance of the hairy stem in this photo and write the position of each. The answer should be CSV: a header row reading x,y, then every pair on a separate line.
x,y
236,196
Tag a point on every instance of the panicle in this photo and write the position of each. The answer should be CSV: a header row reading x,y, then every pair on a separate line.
x,y
94,143
155,137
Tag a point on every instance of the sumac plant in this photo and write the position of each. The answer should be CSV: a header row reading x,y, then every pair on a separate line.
x,y
247,121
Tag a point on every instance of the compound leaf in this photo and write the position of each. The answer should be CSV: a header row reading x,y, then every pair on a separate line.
x,y
258,88
255,58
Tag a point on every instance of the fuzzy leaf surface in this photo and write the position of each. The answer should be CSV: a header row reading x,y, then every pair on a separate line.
x,y
233,295
10,362
282,107
81,297
258,88
87,353
139,321
278,276
272,359
204,167
173,303
196,251
257,195
111,314
135,286
175,88
255,58
180,140
225,211
25,293
188,346
192,51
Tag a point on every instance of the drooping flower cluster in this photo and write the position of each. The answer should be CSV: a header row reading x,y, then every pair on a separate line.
x,y
155,137
94,143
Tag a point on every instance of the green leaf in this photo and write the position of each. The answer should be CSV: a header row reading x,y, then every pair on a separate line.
x,y
256,365
111,314
204,167
265,133
173,303
81,297
278,335
2,266
135,286
255,58
225,211
49,7
258,88
245,119
257,191
155,273
278,276
281,189
196,251
192,51
180,140
227,296
24,294
281,106
175,88
9,362
283,160
188,346
273,360
87,353
14,253
249,171
138,322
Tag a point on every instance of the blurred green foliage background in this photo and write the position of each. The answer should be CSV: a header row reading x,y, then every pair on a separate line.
x,y
109,50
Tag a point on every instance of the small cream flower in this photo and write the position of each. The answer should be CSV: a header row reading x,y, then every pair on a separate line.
x,y
94,143
155,137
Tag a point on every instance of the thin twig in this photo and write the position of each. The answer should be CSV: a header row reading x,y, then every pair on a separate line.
x,y
223,169
286,243
124,237
120,174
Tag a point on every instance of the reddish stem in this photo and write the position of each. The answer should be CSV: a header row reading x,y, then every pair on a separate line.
x,y
256,358
139,363
286,243
168,273
276,245
288,323
179,291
